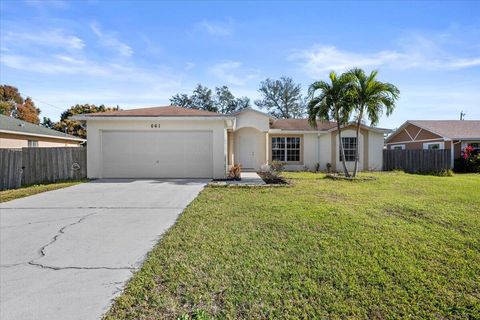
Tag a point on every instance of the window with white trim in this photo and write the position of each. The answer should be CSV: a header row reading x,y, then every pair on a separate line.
x,y
397,147
349,147
433,145
286,149
32,143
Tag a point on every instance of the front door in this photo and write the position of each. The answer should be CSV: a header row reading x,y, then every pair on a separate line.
x,y
247,152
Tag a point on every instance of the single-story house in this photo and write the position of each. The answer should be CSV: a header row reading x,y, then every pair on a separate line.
x,y
16,134
175,142
454,135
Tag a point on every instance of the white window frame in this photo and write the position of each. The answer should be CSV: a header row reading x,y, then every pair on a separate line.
x,y
397,146
350,149
32,143
440,143
286,148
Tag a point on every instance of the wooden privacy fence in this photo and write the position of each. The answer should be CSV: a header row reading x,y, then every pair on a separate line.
x,y
37,165
417,161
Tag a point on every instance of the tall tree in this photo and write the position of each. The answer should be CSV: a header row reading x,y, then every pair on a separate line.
x,y
47,123
13,104
242,103
203,98
28,112
181,100
369,97
281,98
76,128
328,101
225,101
9,99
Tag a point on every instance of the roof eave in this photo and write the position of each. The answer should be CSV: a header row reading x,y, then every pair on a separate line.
x,y
43,135
176,117
374,129
296,131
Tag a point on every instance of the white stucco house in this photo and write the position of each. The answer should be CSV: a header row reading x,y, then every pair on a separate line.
x,y
175,142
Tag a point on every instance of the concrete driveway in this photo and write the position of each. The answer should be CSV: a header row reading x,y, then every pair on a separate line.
x,y
65,254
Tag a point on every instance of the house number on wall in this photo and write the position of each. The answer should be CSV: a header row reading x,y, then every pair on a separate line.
x,y
155,125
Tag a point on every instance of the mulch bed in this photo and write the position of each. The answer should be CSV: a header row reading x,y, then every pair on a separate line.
x,y
270,178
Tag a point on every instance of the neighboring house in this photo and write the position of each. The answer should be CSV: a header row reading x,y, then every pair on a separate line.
x,y
453,135
174,142
16,134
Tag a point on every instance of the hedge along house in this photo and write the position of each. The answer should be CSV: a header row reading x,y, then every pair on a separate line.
x,y
175,142
453,135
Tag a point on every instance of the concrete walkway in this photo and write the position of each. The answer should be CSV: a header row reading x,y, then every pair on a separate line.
x,y
248,179
66,254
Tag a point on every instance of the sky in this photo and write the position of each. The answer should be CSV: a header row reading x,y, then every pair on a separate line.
x,y
140,53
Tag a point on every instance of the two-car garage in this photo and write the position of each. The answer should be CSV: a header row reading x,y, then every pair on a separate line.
x,y
161,154
158,142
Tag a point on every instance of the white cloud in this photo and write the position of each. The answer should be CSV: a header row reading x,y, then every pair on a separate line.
x,y
189,66
62,64
413,52
217,28
232,72
109,40
46,38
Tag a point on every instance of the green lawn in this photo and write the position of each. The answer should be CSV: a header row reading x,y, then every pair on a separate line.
x,y
402,246
8,195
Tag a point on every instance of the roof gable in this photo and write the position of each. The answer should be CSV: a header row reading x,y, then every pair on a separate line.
x,y
453,129
250,109
446,129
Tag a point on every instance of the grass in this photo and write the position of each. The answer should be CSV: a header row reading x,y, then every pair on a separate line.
x,y
401,246
26,191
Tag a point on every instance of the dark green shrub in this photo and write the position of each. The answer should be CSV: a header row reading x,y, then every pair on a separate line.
x,y
469,164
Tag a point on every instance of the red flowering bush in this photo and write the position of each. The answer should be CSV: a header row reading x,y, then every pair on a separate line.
x,y
467,152
469,162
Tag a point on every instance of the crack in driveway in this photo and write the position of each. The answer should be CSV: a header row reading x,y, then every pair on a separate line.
x,y
39,222
32,263
42,251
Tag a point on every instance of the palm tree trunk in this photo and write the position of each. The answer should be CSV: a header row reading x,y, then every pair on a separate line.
x,y
357,149
342,151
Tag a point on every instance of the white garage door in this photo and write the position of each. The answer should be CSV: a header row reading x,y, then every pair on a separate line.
x,y
161,154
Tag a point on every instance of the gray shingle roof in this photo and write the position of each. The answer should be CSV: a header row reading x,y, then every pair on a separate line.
x,y
23,127
453,129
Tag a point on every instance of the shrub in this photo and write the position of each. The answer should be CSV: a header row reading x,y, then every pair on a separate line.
x,y
277,166
441,173
329,167
235,172
469,162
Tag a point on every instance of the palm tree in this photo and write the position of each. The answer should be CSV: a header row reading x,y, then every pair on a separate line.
x,y
330,103
369,97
